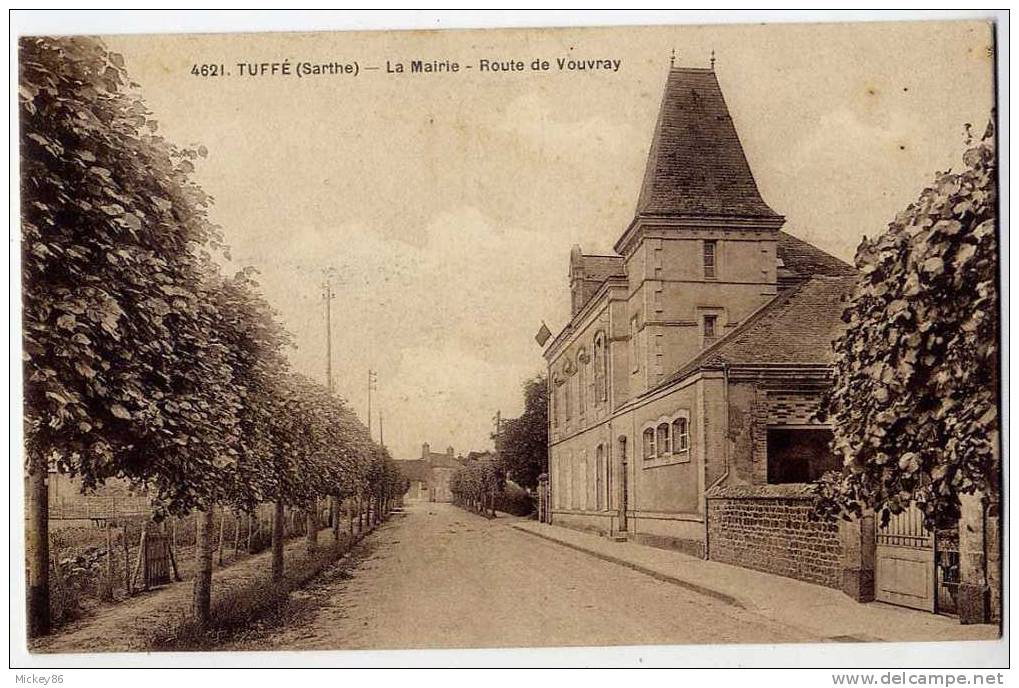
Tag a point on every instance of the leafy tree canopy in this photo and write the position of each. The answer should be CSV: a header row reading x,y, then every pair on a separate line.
x,y
124,373
914,396
523,444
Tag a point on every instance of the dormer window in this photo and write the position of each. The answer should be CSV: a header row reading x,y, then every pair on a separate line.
x,y
710,259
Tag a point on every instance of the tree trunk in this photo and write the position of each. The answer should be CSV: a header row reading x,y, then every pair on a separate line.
x,y
278,533
39,621
203,566
140,559
311,518
251,528
334,509
237,532
168,525
222,531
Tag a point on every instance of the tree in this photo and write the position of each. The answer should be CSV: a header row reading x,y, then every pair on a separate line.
x,y
478,483
523,443
914,395
121,374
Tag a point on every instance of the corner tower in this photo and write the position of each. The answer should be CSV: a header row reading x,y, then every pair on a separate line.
x,y
700,252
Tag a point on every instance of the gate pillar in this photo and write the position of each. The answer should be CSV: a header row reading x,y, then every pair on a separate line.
x,y
543,505
858,555
977,539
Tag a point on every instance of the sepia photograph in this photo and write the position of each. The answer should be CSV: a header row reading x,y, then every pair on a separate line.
x,y
678,335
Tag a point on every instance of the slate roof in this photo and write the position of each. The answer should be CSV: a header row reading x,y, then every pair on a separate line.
x,y
415,469
600,268
797,327
440,460
696,165
806,259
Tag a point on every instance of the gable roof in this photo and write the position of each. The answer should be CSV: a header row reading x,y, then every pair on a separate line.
x,y
440,460
696,164
414,469
797,327
806,259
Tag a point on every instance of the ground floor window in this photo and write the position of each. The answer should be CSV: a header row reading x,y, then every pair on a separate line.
x,y
799,455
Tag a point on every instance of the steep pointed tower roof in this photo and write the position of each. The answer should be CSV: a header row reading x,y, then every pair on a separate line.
x,y
696,165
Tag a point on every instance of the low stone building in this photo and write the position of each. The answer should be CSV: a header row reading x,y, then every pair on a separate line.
x,y
429,476
417,473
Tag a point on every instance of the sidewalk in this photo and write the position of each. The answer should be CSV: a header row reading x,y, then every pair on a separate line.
x,y
821,612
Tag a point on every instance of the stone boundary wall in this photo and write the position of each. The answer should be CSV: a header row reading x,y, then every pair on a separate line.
x,y
767,528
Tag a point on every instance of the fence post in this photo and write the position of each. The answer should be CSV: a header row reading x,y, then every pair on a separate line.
x,y
127,558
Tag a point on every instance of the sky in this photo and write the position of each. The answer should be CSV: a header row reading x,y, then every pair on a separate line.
x,y
446,204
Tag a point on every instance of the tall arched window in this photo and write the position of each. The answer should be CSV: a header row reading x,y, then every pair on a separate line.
x,y
649,443
680,434
582,481
553,390
662,440
581,382
568,482
599,486
600,369
567,382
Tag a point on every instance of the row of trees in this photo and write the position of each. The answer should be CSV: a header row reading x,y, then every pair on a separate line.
x,y
522,448
141,359
478,484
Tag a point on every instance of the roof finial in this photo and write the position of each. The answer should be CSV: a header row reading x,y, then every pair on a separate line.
x,y
672,59
712,58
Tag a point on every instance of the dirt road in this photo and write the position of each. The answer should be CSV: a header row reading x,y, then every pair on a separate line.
x,y
440,577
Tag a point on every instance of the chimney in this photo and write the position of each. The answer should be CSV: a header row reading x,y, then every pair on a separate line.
x,y
449,452
425,451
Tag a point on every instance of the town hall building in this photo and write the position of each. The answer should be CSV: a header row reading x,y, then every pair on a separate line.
x,y
684,390
691,369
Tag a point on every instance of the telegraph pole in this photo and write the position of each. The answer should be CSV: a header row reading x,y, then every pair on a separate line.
x,y
372,382
328,295
381,443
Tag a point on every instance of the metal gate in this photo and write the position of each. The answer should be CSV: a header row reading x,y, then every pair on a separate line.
x,y
946,551
904,571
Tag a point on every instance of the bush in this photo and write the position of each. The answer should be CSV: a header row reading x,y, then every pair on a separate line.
x,y
515,500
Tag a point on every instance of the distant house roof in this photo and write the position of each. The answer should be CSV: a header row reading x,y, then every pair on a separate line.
x,y
696,165
796,328
438,460
415,469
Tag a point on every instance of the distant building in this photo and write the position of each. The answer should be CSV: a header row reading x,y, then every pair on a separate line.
x,y
417,473
429,476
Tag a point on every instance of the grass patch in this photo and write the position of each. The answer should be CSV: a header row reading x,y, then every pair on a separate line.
x,y
254,610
